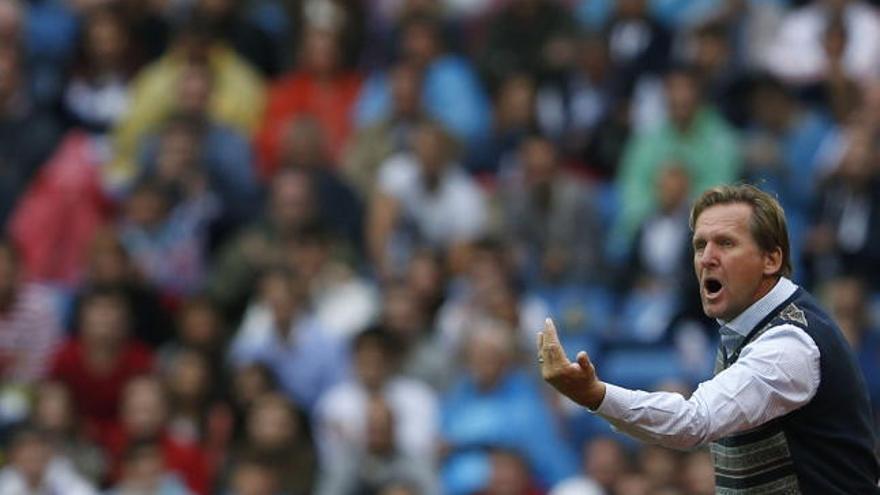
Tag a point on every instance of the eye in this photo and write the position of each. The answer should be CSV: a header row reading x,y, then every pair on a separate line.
x,y
726,243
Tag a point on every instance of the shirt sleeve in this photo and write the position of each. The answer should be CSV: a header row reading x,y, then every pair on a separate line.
x,y
775,374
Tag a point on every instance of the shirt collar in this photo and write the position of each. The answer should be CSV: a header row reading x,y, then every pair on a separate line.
x,y
748,319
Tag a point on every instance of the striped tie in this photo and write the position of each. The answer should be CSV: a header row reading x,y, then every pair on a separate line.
x,y
730,341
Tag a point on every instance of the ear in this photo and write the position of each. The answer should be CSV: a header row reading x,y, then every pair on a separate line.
x,y
773,261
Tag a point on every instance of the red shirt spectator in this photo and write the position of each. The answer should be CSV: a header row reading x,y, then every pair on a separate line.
x,y
97,388
144,416
319,89
98,363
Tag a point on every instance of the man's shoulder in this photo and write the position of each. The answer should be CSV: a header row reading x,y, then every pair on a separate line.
x,y
792,314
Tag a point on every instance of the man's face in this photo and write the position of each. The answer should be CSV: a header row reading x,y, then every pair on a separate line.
x,y
731,268
682,97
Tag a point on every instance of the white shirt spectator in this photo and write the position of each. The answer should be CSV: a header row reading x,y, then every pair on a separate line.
x,y
454,212
341,418
59,478
580,485
797,54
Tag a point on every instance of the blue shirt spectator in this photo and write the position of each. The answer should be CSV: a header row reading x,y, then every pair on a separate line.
x,y
305,360
497,406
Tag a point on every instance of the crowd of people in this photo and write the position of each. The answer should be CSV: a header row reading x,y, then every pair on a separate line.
x,y
283,247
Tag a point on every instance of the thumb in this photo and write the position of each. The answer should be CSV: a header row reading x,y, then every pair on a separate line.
x,y
584,361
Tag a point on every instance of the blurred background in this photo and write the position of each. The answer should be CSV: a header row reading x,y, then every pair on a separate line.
x,y
265,247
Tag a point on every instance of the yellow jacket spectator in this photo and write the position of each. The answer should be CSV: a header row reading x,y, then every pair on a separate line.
x,y
237,98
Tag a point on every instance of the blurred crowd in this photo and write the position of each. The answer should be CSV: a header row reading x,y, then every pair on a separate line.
x,y
283,247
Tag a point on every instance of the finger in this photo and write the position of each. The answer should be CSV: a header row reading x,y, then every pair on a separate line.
x,y
550,331
551,348
583,360
540,338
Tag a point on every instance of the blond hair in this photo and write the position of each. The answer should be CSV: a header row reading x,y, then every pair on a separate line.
x,y
767,224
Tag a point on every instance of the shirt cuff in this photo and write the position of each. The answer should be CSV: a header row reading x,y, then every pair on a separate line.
x,y
617,402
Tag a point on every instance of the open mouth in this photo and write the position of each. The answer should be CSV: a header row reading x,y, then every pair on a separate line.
x,y
712,286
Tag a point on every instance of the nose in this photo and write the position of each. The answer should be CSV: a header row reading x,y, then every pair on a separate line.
x,y
708,257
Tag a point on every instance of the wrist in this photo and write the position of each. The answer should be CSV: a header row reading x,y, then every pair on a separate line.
x,y
594,396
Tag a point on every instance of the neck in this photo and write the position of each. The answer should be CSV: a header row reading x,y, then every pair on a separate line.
x,y
766,286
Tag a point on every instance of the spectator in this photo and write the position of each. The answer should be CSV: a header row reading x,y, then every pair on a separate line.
x,y
165,229
220,152
54,414
845,213
781,147
659,465
839,91
144,418
200,327
698,476
660,253
638,45
346,17
581,110
279,332
657,271
253,476
96,95
847,297
34,469
279,435
634,483
28,134
30,326
98,362
342,302
191,397
451,92
230,20
485,291
62,209
391,134
341,411
320,87
379,461
12,20
496,405
605,461
695,135
513,120
109,265
291,206
237,98
427,193
582,483
530,36
421,355
548,218
510,475
710,49
341,207
796,54
143,471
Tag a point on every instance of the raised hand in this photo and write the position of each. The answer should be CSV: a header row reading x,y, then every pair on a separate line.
x,y
578,380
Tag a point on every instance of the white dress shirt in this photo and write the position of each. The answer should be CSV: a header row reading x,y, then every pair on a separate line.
x,y
775,374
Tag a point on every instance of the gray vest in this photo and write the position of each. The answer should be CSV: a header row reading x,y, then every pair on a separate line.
x,y
824,447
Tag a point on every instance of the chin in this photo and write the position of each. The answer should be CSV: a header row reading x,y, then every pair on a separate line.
x,y
713,312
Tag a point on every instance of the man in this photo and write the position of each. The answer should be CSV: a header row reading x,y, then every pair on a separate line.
x,y
787,411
